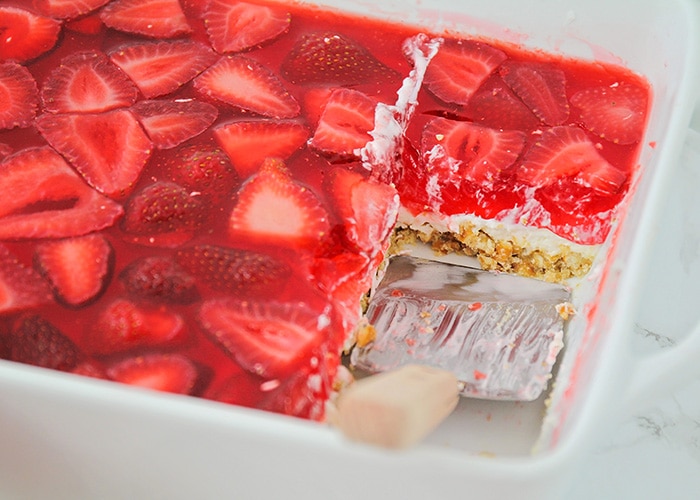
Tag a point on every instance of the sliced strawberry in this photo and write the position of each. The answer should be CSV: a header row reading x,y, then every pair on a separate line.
x,y
273,208
495,105
87,25
35,341
163,214
153,18
19,96
159,68
346,275
5,150
247,84
297,397
368,209
541,86
344,125
459,68
604,178
194,9
49,200
87,82
161,372
26,35
475,153
566,151
170,123
78,268
67,9
267,338
237,26
20,286
108,149
333,59
241,272
306,392
123,325
248,143
205,169
615,112
240,389
314,100
159,278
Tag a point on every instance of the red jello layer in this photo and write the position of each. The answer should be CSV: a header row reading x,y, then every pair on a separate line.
x,y
213,234
578,128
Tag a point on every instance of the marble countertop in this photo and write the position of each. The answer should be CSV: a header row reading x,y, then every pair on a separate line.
x,y
655,452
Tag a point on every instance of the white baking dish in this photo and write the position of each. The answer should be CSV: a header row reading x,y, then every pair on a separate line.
x,y
63,436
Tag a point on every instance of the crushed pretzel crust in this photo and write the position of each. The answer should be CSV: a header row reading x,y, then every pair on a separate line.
x,y
366,334
499,255
566,310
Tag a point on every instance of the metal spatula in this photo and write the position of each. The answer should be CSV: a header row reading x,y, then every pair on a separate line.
x,y
498,334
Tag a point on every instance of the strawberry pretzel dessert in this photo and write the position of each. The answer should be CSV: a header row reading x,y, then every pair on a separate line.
x,y
189,205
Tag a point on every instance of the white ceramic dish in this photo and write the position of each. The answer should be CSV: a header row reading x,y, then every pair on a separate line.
x,y
63,436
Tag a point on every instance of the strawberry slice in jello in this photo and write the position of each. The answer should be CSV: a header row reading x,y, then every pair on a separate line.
x,y
169,123
267,338
542,87
366,212
159,279
495,105
568,152
37,341
245,83
616,112
344,125
153,18
236,26
159,68
160,372
19,97
68,9
463,150
124,325
273,208
26,35
249,143
459,68
367,209
78,268
89,24
109,149
21,287
204,169
49,200
163,214
87,82
332,58
232,270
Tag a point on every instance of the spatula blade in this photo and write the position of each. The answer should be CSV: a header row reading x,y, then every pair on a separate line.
x,y
499,334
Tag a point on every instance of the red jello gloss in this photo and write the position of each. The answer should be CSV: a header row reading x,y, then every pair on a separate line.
x,y
243,236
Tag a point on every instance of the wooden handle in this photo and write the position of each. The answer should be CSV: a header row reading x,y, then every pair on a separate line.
x,y
399,408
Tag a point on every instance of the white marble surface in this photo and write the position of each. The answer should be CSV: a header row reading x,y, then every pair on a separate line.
x,y
654,455
655,452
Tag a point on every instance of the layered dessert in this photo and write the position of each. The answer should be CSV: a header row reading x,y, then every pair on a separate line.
x,y
520,159
199,194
